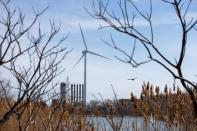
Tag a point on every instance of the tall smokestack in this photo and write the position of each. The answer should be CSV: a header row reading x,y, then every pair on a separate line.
x,y
74,97
80,93
77,92
72,93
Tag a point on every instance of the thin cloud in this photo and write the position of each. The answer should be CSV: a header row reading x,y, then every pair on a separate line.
x,y
72,24
91,24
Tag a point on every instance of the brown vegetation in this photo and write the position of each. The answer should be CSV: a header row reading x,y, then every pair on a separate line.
x,y
172,106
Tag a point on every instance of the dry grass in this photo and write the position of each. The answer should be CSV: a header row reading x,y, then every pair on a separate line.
x,y
172,107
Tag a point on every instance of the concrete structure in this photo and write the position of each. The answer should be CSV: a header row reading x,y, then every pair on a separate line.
x,y
62,91
77,95
72,93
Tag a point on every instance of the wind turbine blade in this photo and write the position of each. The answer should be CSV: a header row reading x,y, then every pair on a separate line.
x,y
78,61
98,55
83,37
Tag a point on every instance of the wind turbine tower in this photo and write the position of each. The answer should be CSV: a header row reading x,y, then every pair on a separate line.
x,y
85,82
84,54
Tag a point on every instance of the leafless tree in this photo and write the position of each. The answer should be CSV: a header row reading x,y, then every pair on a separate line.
x,y
30,56
124,22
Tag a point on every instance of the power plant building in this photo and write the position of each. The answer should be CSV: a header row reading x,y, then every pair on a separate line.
x,y
72,93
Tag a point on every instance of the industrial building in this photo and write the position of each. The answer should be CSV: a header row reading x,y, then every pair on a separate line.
x,y
72,93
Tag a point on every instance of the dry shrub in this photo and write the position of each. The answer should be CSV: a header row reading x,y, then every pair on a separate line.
x,y
171,107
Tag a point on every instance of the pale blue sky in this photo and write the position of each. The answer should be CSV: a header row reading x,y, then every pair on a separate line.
x,y
102,73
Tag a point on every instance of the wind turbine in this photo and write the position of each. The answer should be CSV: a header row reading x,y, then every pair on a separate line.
x,y
84,55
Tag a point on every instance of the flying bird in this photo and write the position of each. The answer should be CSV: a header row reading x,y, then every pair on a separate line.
x,y
132,79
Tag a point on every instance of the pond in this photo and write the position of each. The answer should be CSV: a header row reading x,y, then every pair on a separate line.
x,y
126,123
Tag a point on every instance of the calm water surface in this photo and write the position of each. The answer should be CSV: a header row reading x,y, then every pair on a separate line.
x,y
127,124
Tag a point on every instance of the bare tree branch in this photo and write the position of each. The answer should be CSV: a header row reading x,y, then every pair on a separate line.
x,y
126,25
33,67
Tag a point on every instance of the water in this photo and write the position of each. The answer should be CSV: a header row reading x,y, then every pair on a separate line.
x,y
127,123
